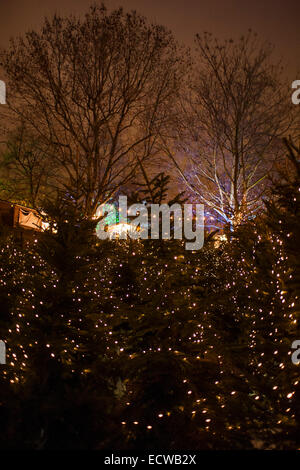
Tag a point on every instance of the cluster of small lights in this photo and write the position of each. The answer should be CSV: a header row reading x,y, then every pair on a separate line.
x,y
112,296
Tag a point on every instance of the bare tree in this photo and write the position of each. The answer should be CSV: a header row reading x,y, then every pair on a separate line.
x,y
97,93
234,115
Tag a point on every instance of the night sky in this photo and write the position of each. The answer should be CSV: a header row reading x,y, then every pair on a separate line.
x,y
277,21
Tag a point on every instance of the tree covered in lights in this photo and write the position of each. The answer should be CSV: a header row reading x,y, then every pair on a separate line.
x,y
132,344
284,223
57,343
227,331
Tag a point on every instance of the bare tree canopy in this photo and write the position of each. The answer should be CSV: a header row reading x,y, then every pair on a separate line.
x,y
97,93
234,115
